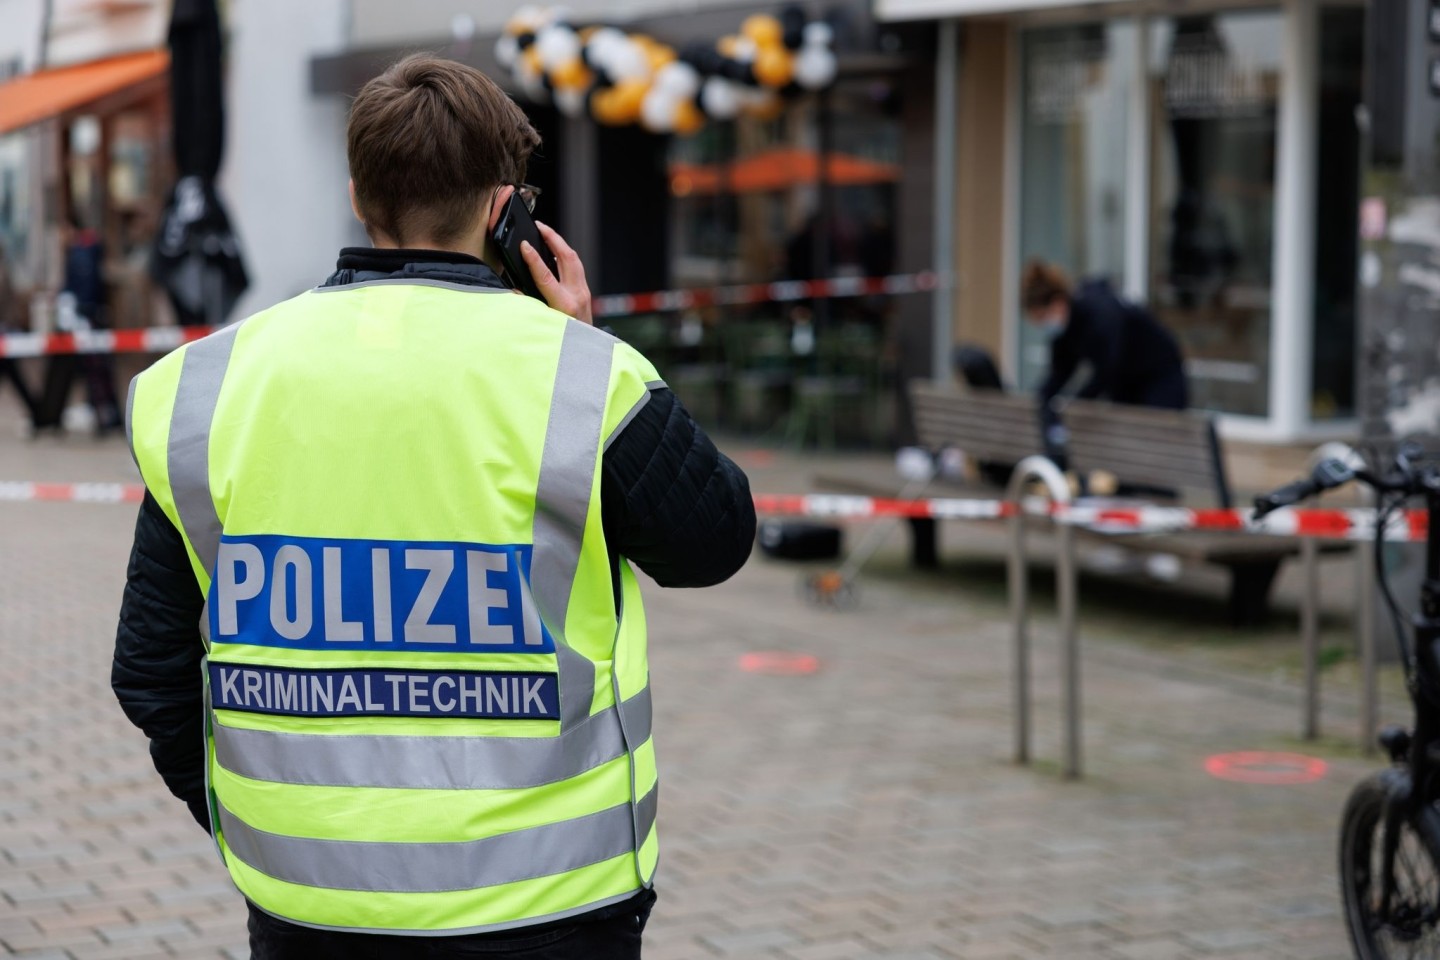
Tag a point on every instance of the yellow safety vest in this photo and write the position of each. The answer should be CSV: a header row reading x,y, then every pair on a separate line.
x,y
428,704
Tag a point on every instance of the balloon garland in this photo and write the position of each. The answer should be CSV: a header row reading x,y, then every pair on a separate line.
x,y
622,78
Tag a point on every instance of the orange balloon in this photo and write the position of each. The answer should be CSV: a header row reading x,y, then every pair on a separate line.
x,y
688,118
764,29
604,108
659,55
727,45
774,66
532,57
627,96
572,76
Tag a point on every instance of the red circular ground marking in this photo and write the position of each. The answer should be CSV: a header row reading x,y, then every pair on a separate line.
x,y
778,663
1264,767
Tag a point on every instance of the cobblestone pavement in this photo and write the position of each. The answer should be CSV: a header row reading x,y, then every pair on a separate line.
x,y
865,811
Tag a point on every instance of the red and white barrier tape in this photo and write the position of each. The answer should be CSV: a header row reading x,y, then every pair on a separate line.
x,y
23,491
1355,524
784,291
148,340
165,339
1327,524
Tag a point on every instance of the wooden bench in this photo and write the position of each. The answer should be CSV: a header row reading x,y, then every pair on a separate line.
x,y
1167,455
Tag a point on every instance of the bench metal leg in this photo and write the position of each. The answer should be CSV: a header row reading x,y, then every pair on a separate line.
x,y
1310,635
924,543
1365,626
1019,587
1250,585
1067,587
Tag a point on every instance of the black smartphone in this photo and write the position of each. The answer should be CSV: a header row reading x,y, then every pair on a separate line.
x,y
513,228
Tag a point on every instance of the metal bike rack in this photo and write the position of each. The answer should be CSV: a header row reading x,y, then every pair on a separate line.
x,y
1364,615
1028,470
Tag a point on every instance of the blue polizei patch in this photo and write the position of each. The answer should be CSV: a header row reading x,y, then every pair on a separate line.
x,y
307,593
384,693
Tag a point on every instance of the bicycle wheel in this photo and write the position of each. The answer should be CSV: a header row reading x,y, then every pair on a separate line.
x,y
1412,929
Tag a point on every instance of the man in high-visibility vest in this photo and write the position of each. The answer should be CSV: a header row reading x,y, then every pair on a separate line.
x,y
381,625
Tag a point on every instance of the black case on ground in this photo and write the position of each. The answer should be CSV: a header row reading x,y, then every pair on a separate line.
x,y
799,540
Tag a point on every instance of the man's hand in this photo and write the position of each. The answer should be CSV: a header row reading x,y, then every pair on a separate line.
x,y
569,293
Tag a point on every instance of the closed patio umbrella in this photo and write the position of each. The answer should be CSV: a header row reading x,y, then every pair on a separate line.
x,y
197,255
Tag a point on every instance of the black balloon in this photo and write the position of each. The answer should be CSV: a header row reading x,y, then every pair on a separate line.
x,y
737,70
792,24
703,57
523,40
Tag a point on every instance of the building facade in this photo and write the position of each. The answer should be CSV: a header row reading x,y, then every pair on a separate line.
x,y
1204,157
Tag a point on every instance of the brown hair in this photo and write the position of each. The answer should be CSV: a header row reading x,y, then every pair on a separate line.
x,y
1041,283
427,140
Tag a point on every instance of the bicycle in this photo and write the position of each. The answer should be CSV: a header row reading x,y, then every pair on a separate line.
x,y
1390,831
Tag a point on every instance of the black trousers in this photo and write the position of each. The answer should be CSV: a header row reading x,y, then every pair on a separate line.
x,y
612,933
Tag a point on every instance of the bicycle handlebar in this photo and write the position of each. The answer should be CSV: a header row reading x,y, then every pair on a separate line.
x,y
1327,475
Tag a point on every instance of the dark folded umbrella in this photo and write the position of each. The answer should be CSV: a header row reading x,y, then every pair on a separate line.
x,y
197,255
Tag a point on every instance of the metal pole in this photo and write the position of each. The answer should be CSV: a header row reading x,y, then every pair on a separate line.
x,y
1066,588
947,80
1310,635
1019,585
1365,627
1039,468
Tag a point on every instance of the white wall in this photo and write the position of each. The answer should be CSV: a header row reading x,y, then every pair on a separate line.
x,y
284,178
20,36
380,23
82,30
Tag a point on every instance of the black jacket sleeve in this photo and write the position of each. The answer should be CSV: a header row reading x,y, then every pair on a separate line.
x,y
156,673
672,503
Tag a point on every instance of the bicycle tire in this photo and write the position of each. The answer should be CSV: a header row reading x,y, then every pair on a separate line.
x,y
1416,920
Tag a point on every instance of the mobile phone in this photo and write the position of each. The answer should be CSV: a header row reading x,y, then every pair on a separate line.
x,y
514,227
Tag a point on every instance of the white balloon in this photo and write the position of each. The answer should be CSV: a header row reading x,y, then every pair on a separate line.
x,y
657,111
507,51
531,81
720,98
628,62
815,67
528,17
745,49
570,102
557,46
605,38
678,78
818,34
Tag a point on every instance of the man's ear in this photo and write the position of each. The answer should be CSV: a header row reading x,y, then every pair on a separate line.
x,y
496,205
355,205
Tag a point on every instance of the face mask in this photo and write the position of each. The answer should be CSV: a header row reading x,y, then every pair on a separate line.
x,y
1051,329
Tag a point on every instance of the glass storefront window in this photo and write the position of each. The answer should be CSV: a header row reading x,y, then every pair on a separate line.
x,y
1214,82
748,204
1076,86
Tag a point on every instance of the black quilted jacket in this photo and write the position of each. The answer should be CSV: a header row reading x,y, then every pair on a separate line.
x,y
671,503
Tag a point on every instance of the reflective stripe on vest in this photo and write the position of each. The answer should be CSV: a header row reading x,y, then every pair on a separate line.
x,y
440,763
439,867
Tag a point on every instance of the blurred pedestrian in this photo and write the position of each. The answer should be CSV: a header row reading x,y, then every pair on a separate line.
x,y
1131,357
13,319
82,306
403,508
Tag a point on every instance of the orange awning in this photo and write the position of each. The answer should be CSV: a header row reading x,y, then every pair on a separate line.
x,y
778,170
51,93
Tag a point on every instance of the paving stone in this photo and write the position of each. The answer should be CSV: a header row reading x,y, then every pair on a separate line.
x,y
1229,939
746,943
